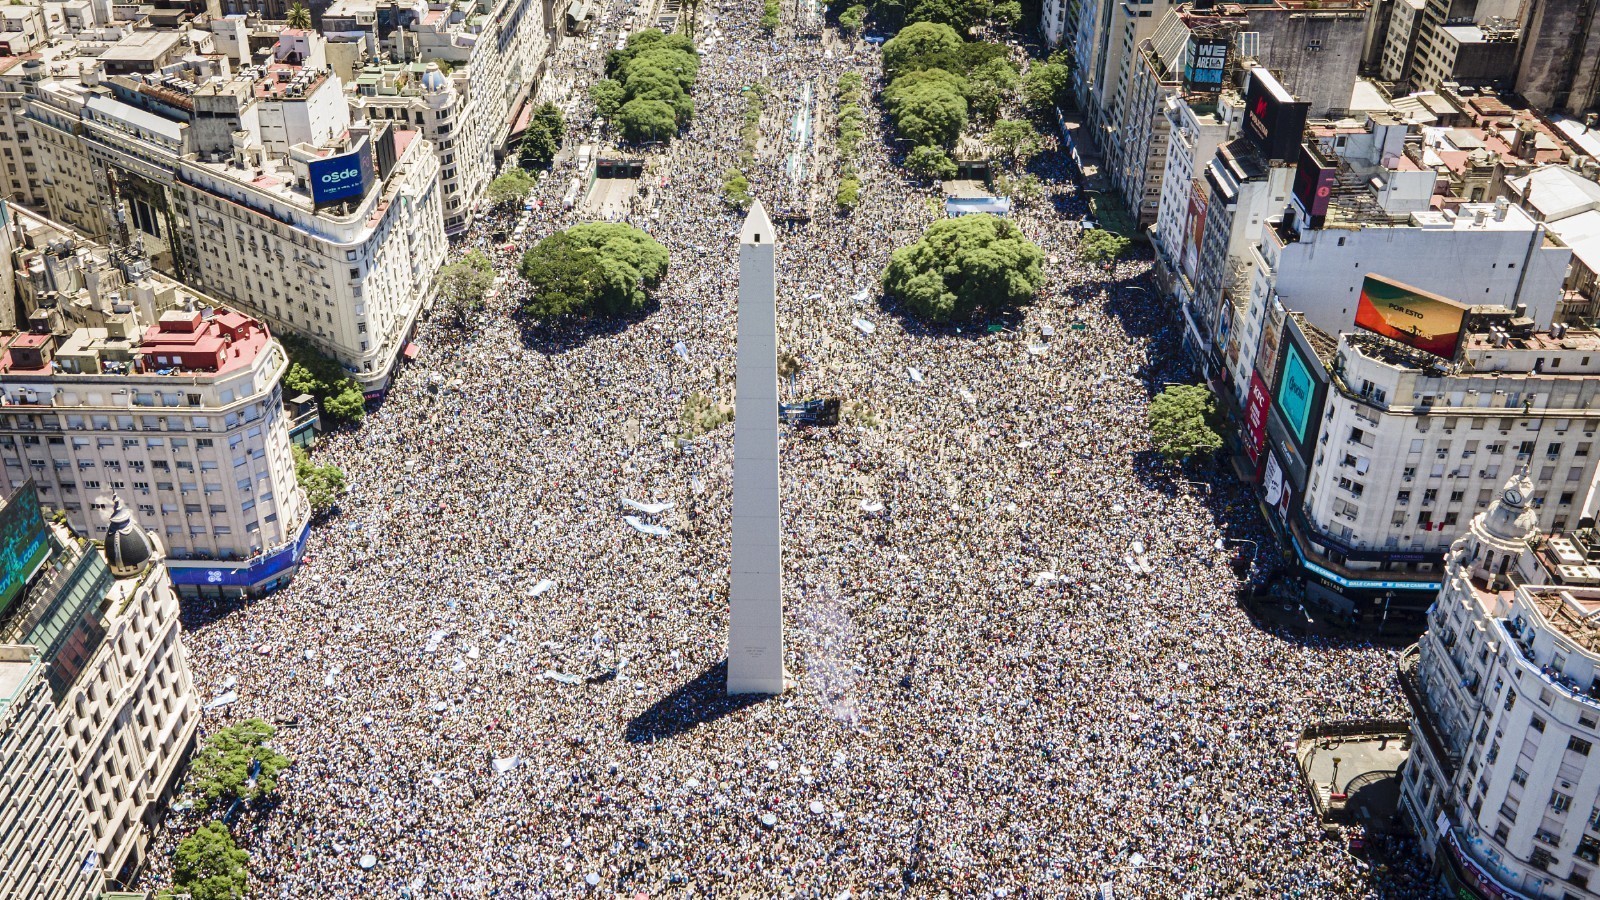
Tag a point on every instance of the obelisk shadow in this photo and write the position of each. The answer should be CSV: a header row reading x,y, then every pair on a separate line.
x,y
701,701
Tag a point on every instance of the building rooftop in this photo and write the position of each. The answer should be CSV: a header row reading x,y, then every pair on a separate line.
x,y
143,47
1572,611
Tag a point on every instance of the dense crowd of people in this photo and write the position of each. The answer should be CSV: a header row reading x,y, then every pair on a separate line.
x,y
1020,666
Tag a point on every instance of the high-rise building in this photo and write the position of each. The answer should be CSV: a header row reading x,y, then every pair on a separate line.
x,y
1501,785
255,187
101,710
126,384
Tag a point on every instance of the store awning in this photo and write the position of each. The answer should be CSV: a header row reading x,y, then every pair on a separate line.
x,y
411,351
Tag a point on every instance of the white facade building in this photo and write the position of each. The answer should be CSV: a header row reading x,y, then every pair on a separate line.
x,y
103,630
128,385
1501,785
218,187
44,832
1489,254
1414,446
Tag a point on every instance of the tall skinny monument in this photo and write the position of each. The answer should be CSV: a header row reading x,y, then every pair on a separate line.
x,y
755,619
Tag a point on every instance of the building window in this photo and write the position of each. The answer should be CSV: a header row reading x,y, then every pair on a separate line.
x,y
1579,746
1560,802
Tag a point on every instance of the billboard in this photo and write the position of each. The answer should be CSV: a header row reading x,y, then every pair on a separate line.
x,y
1296,389
1412,316
1198,203
1266,361
1314,182
1276,489
1255,418
24,542
1208,60
341,177
1273,120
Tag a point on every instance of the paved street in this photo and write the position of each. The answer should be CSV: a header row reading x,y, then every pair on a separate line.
x,y
1021,668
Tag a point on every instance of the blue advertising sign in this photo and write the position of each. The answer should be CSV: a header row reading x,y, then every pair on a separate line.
x,y
345,176
1295,391
254,572
24,542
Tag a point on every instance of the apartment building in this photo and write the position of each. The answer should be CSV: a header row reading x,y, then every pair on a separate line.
x,y
1500,786
107,702
125,384
256,188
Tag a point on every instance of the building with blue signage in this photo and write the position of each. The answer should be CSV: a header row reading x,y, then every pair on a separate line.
x,y
1399,449
259,189
154,395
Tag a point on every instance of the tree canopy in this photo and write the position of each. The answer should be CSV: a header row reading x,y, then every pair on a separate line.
x,y
1182,422
599,268
208,865
960,15
929,107
992,85
322,484
1015,141
310,372
964,265
542,139
607,95
222,767
1047,86
1096,246
464,284
654,76
511,187
853,19
931,163
917,44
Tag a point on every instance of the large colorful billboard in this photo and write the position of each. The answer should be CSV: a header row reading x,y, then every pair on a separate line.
x,y
1208,60
1410,315
1297,389
1196,232
1273,120
24,542
1255,418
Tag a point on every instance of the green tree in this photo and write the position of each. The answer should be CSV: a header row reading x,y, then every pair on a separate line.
x,y
992,85
1096,246
736,189
322,484
607,95
1006,14
769,16
852,20
849,192
553,119
1015,141
960,15
208,865
930,163
600,268
964,265
928,107
463,285
299,17
221,768
538,147
643,121
1048,86
1024,190
1182,422
511,187
923,40
310,372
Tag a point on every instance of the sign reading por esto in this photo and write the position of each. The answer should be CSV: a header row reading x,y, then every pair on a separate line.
x,y
341,177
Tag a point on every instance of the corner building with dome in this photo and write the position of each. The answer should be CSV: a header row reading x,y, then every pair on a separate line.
x,y
1502,786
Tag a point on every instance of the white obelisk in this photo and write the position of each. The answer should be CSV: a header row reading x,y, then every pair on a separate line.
x,y
755,616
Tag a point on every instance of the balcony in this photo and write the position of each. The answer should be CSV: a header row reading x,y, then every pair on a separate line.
x,y
1411,684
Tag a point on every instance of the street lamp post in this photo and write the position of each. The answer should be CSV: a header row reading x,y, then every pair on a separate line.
x,y
1334,782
